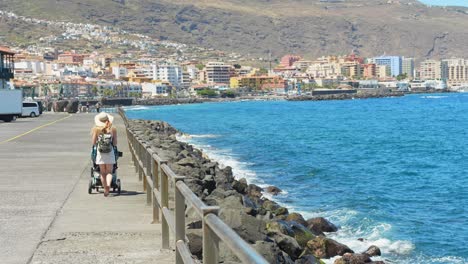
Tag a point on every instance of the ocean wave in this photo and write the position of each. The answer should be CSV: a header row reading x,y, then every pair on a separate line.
x,y
434,97
136,108
224,157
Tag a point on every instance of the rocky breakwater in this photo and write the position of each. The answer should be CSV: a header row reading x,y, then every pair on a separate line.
x,y
344,96
279,235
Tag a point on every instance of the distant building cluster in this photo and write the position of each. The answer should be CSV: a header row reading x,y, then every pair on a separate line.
x,y
77,75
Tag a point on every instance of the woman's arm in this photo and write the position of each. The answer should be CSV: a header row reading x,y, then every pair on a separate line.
x,y
94,137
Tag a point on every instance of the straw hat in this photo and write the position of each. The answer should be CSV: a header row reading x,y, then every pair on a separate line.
x,y
101,119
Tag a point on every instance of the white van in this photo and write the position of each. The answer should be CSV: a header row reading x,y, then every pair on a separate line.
x,y
31,109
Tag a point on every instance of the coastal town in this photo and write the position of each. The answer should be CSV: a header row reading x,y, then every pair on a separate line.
x,y
147,68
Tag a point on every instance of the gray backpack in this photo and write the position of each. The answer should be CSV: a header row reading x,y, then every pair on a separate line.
x,y
104,143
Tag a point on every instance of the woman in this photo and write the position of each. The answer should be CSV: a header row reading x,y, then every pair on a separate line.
x,y
104,133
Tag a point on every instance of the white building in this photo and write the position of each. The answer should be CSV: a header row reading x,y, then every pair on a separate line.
x,y
218,72
156,89
168,72
119,72
35,67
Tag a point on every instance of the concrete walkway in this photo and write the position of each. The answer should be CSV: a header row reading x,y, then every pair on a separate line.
x,y
46,213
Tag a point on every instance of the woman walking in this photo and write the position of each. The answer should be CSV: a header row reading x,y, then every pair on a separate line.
x,y
104,137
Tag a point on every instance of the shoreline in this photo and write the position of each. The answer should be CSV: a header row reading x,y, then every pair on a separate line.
x,y
269,227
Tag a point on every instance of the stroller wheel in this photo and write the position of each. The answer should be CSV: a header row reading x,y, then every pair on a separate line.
x,y
118,186
90,186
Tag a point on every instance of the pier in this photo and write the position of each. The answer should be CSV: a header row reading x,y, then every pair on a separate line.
x,y
47,215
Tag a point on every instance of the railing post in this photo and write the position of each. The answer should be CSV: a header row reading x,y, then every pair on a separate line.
x,y
140,169
179,218
165,203
148,163
210,240
155,176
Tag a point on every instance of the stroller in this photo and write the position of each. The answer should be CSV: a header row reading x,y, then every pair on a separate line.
x,y
95,181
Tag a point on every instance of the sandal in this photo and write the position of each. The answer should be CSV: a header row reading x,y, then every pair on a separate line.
x,y
106,191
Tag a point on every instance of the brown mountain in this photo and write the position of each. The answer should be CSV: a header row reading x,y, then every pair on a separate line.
x,y
307,27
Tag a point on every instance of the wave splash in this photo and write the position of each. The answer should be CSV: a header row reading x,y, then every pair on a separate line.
x,y
224,157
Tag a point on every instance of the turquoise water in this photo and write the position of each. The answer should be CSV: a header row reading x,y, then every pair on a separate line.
x,y
392,171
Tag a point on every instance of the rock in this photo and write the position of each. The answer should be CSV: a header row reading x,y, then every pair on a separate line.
x,y
195,244
254,191
209,183
308,259
373,251
60,106
187,162
269,250
224,178
296,217
301,233
288,245
281,211
349,258
279,227
247,202
273,190
72,106
270,205
320,224
240,186
323,247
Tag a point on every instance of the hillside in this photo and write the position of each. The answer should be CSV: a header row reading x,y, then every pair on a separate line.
x,y
308,27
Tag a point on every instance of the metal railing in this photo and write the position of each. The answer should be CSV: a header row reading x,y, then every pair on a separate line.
x,y
156,175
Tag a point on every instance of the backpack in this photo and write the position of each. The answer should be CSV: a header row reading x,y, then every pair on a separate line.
x,y
104,143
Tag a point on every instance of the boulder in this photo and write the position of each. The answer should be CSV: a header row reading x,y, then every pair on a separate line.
x,y
279,227
254,191
239,186
269,250
224,178
308,259
349,258
195,244
270,205
323,247
281,211
273,190
288,245
373,251
60,106
320,225
301,233
72,106
296,217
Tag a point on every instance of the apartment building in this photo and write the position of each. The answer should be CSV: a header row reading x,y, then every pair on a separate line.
x,y
457,71
433,70
168,72
217,72
408,67
393,62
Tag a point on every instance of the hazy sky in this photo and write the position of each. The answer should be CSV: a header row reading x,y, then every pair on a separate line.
x,y
446,2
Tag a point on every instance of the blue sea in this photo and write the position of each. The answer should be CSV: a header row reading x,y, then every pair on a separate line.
x,y
393,171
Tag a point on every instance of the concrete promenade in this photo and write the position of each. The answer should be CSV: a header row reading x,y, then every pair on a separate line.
x,y
46,213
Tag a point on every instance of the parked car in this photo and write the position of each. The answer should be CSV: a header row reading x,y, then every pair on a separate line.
x,y
31,109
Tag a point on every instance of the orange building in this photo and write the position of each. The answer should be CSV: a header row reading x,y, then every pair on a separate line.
x,y
71,58
369,71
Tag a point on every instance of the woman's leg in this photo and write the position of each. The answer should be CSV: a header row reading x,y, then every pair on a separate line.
x,y
103,173
107,175
109,168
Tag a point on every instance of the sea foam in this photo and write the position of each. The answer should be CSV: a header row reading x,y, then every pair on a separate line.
x,y
224,157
